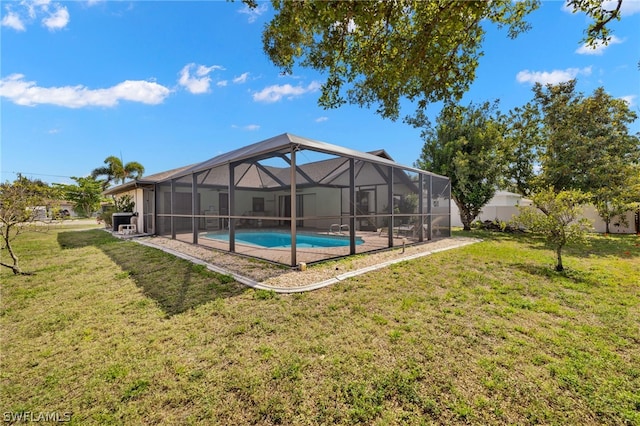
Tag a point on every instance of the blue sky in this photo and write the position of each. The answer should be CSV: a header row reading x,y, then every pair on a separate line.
x,y
173,83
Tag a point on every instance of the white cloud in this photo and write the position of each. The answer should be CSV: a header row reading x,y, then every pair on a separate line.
x,y
253,14
57,19
276,92
249,127
598,48
630,100
12,20
551,77
222,83
28,93
202,70
241,78
628,8
53,16
33,5
321,119
201,82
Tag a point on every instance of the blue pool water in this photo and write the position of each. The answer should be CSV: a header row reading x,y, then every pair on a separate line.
x,y
278,239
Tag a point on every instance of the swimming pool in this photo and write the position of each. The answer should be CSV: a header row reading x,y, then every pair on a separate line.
x,y
280,239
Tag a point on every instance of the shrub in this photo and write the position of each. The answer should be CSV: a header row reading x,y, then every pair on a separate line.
x,y
106,217
124,204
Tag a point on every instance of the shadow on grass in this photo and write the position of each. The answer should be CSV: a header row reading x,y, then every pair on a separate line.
x,y
576,276
177,285
623,246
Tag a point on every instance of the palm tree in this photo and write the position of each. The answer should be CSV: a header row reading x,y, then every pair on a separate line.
x,y
116,170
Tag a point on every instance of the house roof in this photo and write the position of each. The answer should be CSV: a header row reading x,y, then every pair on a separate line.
x,y
254,175
146,180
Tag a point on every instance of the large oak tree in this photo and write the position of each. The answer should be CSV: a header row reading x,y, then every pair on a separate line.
x,y
378,52
375,53
583,143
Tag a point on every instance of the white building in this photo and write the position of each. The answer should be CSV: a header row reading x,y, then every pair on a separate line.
x,y
504,206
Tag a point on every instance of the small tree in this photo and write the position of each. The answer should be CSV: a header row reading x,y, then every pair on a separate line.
x,y
609,209
85,195
557,218
22,204
622,196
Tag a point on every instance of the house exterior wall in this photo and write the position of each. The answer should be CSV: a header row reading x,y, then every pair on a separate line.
x,y
209,201
312,208
244,202
318,202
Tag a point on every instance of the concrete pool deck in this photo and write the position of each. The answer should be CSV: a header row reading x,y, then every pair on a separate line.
x,y
372,241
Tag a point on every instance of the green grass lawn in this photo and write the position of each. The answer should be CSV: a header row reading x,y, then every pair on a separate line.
x,y
116,333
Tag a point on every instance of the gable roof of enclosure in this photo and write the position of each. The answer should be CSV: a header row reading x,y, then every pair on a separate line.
x,y
282,144
324,172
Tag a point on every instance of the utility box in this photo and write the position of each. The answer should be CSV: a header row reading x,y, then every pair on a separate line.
x,y
121,219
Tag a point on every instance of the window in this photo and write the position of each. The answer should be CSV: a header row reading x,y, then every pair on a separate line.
x,y
258,204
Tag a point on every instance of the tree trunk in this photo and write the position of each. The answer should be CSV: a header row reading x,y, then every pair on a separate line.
x,y
465,217
559,266
15,268
606,229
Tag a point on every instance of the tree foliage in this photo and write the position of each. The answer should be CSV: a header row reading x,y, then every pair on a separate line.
x,y
23,205
116,170
85,195
467,145
613,204
380,52
523,140
587,144
557,217
576,142
602,14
